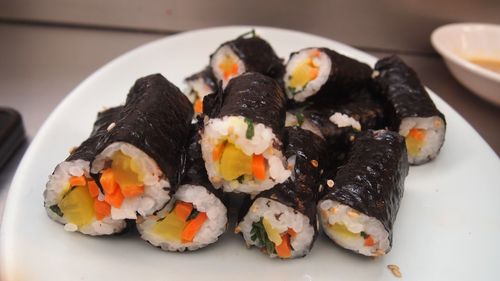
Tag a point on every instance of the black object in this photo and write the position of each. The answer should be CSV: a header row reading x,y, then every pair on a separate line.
x,y
256,54
372,179
253,96
156,118
404,93
346,75
207,75
300,191
12,133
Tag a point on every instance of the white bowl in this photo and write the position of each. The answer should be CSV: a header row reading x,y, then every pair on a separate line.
x,y
458,43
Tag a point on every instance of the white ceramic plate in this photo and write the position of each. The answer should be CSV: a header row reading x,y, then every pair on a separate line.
x,y
448,227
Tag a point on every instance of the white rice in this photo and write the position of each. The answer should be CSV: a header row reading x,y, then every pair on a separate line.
x,y
203,201
434,137
281,218
313,86
156,185
197,89
233,129
332,212
218,57
343,120
56,188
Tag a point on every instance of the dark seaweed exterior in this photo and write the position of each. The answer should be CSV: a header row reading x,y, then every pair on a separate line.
x,y
195,172
253,96
346,76
257,55
404,93
207,75
301,192
372,179
156,119
369,112
87,150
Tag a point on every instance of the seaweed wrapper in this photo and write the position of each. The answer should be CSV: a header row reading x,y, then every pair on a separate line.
x,y
404,93
156,119
251,95
372,179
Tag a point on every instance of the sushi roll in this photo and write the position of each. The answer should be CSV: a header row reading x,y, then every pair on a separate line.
x,y
247,53
196,216
241,140
360,204
282,221
198,86
138,159
411,111
321,73
72,196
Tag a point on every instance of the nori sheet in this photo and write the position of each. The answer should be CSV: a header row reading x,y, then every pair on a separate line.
x,y
404,93
87,149
257,55
253,96
372,179
347,75
156,119
300,193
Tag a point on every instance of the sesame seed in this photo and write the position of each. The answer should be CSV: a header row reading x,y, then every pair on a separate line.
x,y
330,183
375,73
320,189
111,126
438,123
72,150
70,227
395,270
314,163
237,229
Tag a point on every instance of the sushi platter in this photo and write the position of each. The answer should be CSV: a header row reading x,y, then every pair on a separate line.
x,y
253,153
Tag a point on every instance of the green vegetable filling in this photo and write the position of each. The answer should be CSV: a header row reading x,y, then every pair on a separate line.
x,y
57,210
250,129
259,235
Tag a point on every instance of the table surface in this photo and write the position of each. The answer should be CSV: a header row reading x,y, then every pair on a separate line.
x,y
40,65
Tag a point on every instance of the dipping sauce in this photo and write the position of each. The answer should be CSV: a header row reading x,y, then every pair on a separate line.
x,y
492,64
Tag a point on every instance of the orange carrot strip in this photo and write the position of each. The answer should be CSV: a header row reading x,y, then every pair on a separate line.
x,y
283,250
183,209
315,53
192,227
369,241
132,190
291,232
259,167
93,189
102,209
418,134
217,152
198,106
313,73
78,181
114,199
108,182
234,69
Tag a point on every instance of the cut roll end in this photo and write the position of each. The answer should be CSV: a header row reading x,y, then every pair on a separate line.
x,y
226,64
424,137
195,219
277,229
353,230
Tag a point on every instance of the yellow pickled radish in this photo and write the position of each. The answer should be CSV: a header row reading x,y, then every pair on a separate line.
x,y
301,75
413,146
125,170
170,228
65,190
342,230
234,163
272,233
78,206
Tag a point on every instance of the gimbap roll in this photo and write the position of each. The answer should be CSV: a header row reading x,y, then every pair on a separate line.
x,y
138,159
72,196
282,221
196,216
411,111
241,140
321,73
360,204
198,86
247,53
